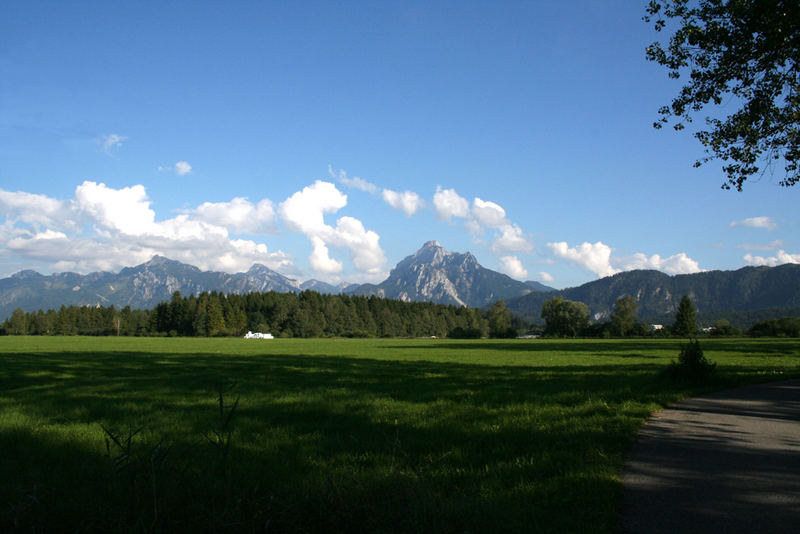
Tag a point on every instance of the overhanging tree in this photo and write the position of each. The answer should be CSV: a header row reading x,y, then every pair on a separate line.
x,y
743,53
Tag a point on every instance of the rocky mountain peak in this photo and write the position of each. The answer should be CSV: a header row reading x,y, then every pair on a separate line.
x,y
258,268
26,274
158,260
160,264
431,253
435,274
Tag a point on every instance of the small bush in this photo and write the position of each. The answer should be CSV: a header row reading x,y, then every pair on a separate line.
x,y
692,365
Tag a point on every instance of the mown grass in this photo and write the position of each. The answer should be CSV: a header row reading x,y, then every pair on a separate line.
x,y
128,435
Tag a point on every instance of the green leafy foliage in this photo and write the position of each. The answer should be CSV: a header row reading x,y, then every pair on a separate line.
x,y
500,321
724,328
783,327
623,317
564,318
743,54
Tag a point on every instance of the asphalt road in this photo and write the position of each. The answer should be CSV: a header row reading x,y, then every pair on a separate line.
x,y
727,462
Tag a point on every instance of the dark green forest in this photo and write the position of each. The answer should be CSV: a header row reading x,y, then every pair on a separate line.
x,y
305,314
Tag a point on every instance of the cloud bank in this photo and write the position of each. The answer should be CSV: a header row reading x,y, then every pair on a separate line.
x,y
596,258
103,228
781,257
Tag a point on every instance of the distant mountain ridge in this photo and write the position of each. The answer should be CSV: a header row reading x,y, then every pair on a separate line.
x,y
430,274
142,286
658,294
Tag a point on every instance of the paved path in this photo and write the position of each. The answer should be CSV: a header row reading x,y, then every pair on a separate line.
x,y
726,462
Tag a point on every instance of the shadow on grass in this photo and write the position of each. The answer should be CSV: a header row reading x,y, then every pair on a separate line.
x,y
322,443
581,347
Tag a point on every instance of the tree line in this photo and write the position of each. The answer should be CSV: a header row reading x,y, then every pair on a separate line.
x,y
311,314
305,314
566,318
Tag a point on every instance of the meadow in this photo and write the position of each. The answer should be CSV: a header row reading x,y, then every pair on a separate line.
x,y
334,435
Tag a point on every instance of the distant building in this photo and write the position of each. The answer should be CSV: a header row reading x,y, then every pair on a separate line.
x,y
656,327
258,335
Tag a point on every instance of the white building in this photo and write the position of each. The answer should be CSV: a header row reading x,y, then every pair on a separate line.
x,y
258,335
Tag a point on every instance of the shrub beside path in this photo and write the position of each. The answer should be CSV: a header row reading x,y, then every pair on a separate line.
x,y
725,462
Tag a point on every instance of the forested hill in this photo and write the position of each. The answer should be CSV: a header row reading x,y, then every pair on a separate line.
x,y
658,294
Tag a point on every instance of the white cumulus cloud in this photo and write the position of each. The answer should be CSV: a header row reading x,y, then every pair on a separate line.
x,y
365,249
488,213
480,216
511,239
676,264
512,266
408,202
126,210
125,232
781,257
449,204
182,167
240,215
546,277
320,260
594,257
756,222
304,212
39,211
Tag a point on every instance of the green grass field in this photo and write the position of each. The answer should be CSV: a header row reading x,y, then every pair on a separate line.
x,y
389,435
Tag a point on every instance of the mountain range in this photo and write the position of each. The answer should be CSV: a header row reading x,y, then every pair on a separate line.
x,y
430,274
712,292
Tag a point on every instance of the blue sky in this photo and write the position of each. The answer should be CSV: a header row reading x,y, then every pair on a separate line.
x,y
329,140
